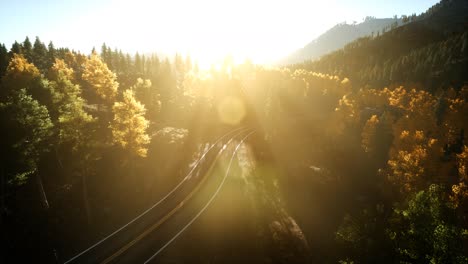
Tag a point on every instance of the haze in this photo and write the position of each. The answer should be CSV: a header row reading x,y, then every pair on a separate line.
x,y
262,31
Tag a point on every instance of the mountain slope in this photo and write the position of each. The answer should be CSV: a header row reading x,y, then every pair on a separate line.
x,y
431,51
338,36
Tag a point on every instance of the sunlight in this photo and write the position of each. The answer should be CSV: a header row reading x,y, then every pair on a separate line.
x,y
231,111
181,131
207,30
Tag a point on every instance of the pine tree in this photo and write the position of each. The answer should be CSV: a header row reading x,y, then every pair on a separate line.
x,y
51,54
3,59
15,48
39,55
27,49
138,65
146,94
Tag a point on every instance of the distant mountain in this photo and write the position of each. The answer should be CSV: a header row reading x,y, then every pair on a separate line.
x,y
430,50
338,36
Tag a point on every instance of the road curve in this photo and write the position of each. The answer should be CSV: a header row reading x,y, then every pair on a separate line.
x,y
111,248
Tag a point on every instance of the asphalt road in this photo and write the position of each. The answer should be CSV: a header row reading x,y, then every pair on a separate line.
x,y
141,239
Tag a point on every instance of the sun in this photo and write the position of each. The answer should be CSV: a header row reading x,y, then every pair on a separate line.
x,y
207,30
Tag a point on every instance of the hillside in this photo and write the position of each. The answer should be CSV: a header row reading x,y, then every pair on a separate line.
x,y
431,51
338,36
360,156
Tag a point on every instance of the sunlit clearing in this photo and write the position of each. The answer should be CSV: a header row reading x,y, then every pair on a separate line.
x,y
231,111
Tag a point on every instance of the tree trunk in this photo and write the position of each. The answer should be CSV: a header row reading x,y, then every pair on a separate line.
x,y
2,205
132,179
40,186
57,156
85,196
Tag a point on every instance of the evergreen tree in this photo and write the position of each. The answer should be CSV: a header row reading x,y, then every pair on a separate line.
x,y
3,59
51,54
27,49
145,93
39,55
138,65
15,48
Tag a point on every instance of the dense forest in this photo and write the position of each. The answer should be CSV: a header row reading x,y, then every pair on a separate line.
x,y
431,51
361,156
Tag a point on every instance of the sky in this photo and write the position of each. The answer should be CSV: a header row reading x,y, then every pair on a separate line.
x,y
263,30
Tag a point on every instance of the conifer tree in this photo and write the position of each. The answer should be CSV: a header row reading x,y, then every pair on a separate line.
x,y
15,48
3,59
51,54
27,49
39,55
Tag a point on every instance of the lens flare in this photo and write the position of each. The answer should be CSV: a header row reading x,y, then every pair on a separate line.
x,y
231,110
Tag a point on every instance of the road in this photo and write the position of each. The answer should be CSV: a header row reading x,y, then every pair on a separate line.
x,y
139,240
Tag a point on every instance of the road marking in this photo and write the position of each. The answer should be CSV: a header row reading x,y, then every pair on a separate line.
x,y
167,216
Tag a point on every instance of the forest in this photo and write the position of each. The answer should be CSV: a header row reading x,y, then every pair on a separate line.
x,y
359,157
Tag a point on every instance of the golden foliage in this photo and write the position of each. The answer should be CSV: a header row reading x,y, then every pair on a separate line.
x,y
129,125
72,119
60,67
98,75
20,72
459,193
369,133
462,160
409,165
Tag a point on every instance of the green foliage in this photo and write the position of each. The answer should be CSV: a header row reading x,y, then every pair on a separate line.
x,y
39,55
428,229
26,49
363,236
32,128
73,123
3,59
149,96
427,52
370,152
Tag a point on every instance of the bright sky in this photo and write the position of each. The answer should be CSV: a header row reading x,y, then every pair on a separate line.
x,y
262,30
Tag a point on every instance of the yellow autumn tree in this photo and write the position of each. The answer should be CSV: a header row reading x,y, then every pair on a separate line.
x,y
68,105
368,134
460,190
100,78
409,165
74,126
129,125
19,74
60,67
